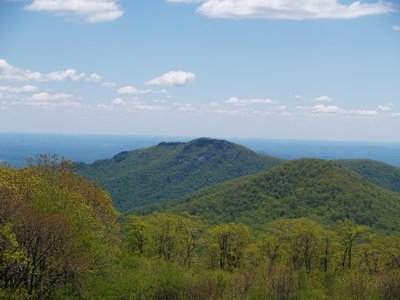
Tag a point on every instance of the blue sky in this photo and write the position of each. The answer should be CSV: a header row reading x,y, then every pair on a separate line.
x,y
326,70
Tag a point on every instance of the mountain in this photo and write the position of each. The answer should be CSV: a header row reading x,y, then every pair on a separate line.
x,y
170,170
313,188
382,174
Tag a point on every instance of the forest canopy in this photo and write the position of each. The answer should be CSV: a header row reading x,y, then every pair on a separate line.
x,y
60,238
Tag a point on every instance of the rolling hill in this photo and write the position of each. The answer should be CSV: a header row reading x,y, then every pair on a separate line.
x,y
382,174
312,188
170,170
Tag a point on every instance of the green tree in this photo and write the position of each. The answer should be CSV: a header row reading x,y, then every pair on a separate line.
x,y
350,236
226,244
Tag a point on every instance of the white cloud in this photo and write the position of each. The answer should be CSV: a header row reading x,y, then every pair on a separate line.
x,y
118,102
299,97
94,78
89,11
9,72
109,85
261,113
129,106
140,106
330,109
215,105
396,28
247,106
291,10
327,109
184,1
130,90
252,101
41,97
385,108
22,89
173,78
323,99
69,74
288,9
364,113
185,107
46,100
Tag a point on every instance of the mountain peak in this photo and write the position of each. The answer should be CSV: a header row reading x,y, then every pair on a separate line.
x,y
205,142
170,170
170,144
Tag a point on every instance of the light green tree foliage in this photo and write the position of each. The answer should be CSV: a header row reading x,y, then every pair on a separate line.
x,y
301,240
350,236
55,228
170,237
226,244
12,259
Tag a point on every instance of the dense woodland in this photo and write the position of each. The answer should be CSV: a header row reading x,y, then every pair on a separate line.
x,y
170,170
61,238
321,190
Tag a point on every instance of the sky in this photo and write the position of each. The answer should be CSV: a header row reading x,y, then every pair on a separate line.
x,y
273,69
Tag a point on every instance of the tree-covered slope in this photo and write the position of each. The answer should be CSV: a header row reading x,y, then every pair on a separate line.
x,y
170,170
312,188
384,175
55,229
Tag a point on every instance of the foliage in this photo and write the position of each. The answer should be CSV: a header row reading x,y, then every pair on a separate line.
x,y
295,259
54,228
170,170
311,188
383,175
60,239
171,237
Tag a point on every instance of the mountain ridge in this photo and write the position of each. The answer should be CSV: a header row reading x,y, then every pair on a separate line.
x,y
380,173
314,188
168,170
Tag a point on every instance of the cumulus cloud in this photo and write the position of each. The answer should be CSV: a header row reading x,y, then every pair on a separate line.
x,y
130,106
299,97
118,102
386,107
184,1
173,78
327,109
22,89
47,100
130,90
69,74
109,84
141,106
9,72
185,107
94,78
89,11
323,99
251,101
364,113
289,9
396,27
235,106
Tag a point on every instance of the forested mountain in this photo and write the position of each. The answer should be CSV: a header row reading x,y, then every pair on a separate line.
x,y
313,188
170,170
60,238
381,174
